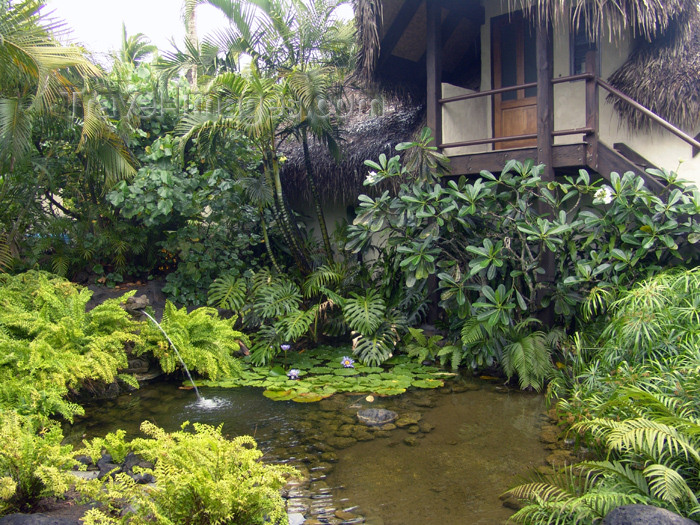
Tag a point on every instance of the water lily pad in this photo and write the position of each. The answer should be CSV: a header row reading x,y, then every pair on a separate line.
x,y
309,397
427,383
345,372
278,371
280,395
321,370
390,391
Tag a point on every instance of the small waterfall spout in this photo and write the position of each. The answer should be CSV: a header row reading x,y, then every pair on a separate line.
x,y
199,398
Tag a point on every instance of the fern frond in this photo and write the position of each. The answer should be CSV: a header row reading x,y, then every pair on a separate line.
x,y
668,485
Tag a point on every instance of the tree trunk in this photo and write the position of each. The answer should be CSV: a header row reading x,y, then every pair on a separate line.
x,y
317,201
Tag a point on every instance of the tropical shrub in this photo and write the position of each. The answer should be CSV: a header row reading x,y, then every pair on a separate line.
x,y
486,240
331,302
33,463
202,478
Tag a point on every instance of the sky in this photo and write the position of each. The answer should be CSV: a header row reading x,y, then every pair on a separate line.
x,y
97,24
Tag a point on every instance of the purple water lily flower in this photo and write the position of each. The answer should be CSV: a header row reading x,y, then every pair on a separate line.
x,y
347,362
293,373
285,347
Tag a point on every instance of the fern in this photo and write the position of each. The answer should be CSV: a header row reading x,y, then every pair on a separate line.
x,y
206,343
202,478
528,356
53,344
5,255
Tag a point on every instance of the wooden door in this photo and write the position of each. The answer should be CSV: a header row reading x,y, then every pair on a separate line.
x,y
514,63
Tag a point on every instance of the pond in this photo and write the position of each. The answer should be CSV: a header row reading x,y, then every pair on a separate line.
x,y
453,452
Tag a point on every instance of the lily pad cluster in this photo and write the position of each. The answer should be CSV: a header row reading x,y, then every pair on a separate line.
x,y
321,372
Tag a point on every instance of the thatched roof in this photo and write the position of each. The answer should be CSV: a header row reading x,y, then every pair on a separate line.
x,y
663,73
648,19
664,77
341,181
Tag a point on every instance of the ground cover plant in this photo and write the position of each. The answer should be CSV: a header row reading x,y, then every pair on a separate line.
x,y
630,391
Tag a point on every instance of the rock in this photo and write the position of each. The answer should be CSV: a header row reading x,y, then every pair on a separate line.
x,y
549,434
376,416
413,429
137,365
511,502
388,427
84,460
343,515
458,388
135,304
426,427
561,458
143,478
644,515
408,419
411,441
424,401
37,519
341,442
295,518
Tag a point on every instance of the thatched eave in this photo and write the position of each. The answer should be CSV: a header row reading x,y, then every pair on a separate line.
x,y
665,78
341,181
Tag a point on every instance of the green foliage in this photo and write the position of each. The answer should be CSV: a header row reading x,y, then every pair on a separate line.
x,y
227,292
364,314
33,462
423,348
206,343
53,346
654,459
202,478
486,241
632,393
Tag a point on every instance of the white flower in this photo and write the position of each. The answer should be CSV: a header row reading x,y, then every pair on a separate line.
x,y
372,178
605,194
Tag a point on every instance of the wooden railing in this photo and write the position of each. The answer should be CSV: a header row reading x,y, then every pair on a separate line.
x,y
590,130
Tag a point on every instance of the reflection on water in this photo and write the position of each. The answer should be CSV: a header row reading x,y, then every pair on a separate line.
x,y
457,449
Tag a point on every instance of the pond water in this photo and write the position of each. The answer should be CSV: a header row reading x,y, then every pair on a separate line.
x,y
454,452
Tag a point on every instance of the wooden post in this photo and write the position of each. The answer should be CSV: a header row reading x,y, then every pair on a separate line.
x,y
545,98
592,112
545,146
433,63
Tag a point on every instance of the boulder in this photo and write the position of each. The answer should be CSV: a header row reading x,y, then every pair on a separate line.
x,y
376,416
644,515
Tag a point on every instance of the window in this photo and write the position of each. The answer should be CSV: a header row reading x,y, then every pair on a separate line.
x,y
580,45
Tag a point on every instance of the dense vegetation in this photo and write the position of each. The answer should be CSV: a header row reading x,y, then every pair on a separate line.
x,y
169,166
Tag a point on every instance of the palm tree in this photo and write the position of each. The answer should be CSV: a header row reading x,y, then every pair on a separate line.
x,y
134,48
295,46
39,77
